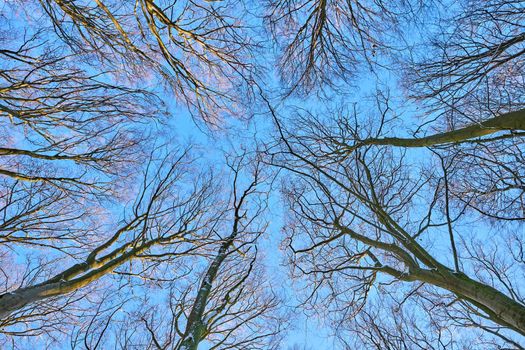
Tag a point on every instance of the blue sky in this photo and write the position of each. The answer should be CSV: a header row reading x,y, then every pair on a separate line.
x,y
307,332
209,145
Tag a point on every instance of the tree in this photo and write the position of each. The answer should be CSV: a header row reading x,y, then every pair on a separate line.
x,y
232,307
398,140
370,209
161,215
58,116
202,50
325,43
368,218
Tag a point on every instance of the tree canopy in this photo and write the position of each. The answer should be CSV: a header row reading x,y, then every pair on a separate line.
x,y
206,174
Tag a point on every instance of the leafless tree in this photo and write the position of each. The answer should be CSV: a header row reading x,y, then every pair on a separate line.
x,y
368,221
55,115
469,77
202,50
161,215
231,307
476,53
370,208
178,231
325,43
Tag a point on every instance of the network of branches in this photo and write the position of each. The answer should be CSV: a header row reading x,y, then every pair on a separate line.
x,y
208,174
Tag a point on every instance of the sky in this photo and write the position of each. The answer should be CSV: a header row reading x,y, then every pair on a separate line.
x,y
306,332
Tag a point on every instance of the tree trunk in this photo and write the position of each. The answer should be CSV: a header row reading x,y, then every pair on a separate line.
x,y
16,300
65,282
499,307
509,121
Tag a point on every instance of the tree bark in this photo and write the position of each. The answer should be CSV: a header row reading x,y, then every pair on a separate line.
x,y
509,121
499,307
195,328
65,282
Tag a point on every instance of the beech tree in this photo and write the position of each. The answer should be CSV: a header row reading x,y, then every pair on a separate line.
x,y
323,43
232,306
221,298
175,225
96,208
157,219
396,130
359,223
369,209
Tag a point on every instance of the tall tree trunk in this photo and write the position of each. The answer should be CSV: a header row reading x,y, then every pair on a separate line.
x,y
67,281
498,306
509,121
196,328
